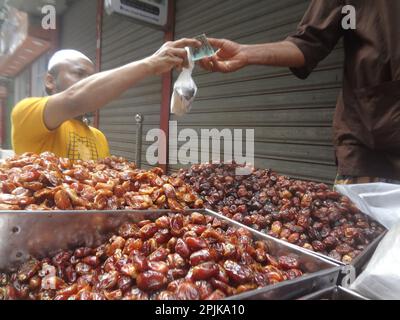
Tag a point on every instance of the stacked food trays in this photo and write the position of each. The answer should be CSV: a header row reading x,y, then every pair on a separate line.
x,y
42,234
283,238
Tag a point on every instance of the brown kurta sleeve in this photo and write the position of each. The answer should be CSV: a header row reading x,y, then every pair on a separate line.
x,y
317,33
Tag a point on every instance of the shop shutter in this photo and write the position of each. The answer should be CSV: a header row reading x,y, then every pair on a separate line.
x,y
292,118
79,27
125,41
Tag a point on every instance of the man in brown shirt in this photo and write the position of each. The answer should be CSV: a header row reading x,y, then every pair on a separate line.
x,y
367,118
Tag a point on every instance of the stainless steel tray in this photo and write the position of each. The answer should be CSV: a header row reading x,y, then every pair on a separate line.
x,y
349,272
334,293
39,234
42,233
359,262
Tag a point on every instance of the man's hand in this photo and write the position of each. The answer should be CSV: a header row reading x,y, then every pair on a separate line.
x,y
171,54
230,56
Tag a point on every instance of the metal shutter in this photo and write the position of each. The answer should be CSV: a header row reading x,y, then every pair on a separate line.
x,y
125,41
22,85
38,75
79,27
79,30
292,118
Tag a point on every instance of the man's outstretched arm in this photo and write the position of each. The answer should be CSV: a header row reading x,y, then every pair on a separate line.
x,y
99,89
232,56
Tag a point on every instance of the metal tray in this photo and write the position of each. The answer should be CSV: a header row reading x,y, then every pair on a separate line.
x,y
359,262
349,272
334,293
39,234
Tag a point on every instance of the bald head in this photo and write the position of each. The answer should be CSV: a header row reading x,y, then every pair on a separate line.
x,y
67,67
66,55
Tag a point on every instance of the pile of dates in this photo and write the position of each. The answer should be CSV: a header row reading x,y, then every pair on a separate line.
x,y
176,257
306,214
45,182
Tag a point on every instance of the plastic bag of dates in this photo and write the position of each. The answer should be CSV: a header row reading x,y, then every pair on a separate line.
x,y
176,257
45,182
307,214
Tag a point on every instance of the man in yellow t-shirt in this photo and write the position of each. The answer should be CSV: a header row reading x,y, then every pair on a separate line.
x,y
72,139
54,123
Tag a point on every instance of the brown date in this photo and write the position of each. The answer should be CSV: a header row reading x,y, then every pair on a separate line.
x,y
159,266
237,273
175,274
199,257
166,295
61,198
159,255
344,249
162,236
136,294
187,291
196,244
151,281
176,225
182,248
216,295
197,218
175,261
129,270
139,261
205,271
286,262
107,281
148,230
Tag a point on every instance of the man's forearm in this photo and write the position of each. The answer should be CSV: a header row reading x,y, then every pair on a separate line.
x,y
94,92
99,89
282,54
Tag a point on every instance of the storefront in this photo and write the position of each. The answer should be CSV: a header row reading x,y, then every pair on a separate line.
x,y
194,231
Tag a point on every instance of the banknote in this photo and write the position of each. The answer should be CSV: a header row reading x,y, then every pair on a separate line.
x,y
206,50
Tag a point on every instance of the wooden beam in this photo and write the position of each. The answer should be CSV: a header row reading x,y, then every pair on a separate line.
x,y
169,35
99,35
31,49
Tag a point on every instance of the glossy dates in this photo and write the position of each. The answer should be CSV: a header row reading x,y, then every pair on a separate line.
x,y
45,182
217,262
303,213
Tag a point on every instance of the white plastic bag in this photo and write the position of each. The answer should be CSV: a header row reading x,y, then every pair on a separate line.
x,y
381,278
380,201
185,90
